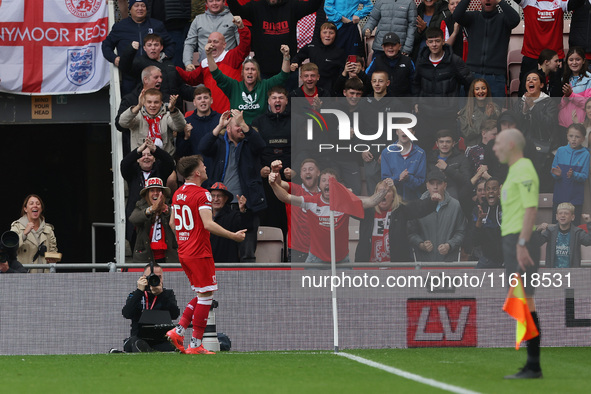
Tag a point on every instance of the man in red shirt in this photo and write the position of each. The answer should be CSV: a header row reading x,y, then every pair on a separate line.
x,y
192,221
318,216
229,61
544,23
299,241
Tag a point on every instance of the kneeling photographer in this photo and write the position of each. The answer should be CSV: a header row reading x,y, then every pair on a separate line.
x,y
8,246
151,309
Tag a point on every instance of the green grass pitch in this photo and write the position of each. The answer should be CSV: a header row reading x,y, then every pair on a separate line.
x,y
566,370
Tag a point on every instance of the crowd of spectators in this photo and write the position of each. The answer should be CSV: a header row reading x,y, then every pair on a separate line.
x,y
241,122
448,62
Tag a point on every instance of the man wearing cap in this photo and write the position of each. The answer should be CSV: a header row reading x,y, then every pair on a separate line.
x,y
399,67
134,28
438,236
399,17
225,250
155,240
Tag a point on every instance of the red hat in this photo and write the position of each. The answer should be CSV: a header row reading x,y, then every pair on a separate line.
x,y
220,186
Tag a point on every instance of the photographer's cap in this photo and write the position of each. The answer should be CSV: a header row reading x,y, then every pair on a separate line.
x,y
153,183
391,38
437,175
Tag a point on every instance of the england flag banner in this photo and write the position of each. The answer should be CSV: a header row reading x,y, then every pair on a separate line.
x,y
52,46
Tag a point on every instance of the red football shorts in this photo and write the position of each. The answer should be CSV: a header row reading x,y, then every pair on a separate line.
x,y
201,273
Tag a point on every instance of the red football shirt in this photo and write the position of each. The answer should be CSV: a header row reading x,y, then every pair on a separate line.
x,y
380,240
544,22
298,236
318,215
192,237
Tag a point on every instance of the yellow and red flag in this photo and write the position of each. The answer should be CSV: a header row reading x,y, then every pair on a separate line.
x,y
516,306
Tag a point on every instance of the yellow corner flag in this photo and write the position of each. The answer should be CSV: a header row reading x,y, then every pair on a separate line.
x,y
516,307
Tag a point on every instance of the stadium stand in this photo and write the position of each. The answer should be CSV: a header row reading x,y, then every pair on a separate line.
x,y
269,245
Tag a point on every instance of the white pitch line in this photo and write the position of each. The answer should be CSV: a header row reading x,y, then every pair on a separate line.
x,y
408,375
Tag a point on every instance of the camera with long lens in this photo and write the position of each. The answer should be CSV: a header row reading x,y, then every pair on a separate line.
x,y
153,279
8,246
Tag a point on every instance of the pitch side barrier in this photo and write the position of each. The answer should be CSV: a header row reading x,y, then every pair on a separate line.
x,y
293,308
117,267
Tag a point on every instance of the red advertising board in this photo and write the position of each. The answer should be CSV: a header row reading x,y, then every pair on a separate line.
x,y
441,322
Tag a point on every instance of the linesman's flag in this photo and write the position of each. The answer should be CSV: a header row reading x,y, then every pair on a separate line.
x,y
343,200
516,307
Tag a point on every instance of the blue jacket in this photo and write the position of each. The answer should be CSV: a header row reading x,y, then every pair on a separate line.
x,y
570,189
416,163
336,9
248,157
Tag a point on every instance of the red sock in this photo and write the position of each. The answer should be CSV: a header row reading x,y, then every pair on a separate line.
x,y
188,313
200,316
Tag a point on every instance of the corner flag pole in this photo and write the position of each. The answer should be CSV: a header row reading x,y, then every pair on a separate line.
x,y
335,319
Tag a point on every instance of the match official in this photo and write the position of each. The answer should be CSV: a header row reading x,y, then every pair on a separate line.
x,y
519,201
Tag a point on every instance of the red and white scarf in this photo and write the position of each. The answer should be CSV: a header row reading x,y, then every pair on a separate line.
x,y
154,132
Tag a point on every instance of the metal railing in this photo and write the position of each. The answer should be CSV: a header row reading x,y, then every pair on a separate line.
x,y
115,267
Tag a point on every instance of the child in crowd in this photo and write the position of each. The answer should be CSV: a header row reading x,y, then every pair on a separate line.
x,y
576,87
477,154
454,34
328,57
570,170
587,125
563,241
587,122
399,17
549,63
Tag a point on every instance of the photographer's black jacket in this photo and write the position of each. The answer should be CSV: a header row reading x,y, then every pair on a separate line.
x,y
15,267
134,306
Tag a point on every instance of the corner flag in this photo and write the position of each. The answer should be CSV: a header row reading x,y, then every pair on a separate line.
x,y
343,200
516,306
